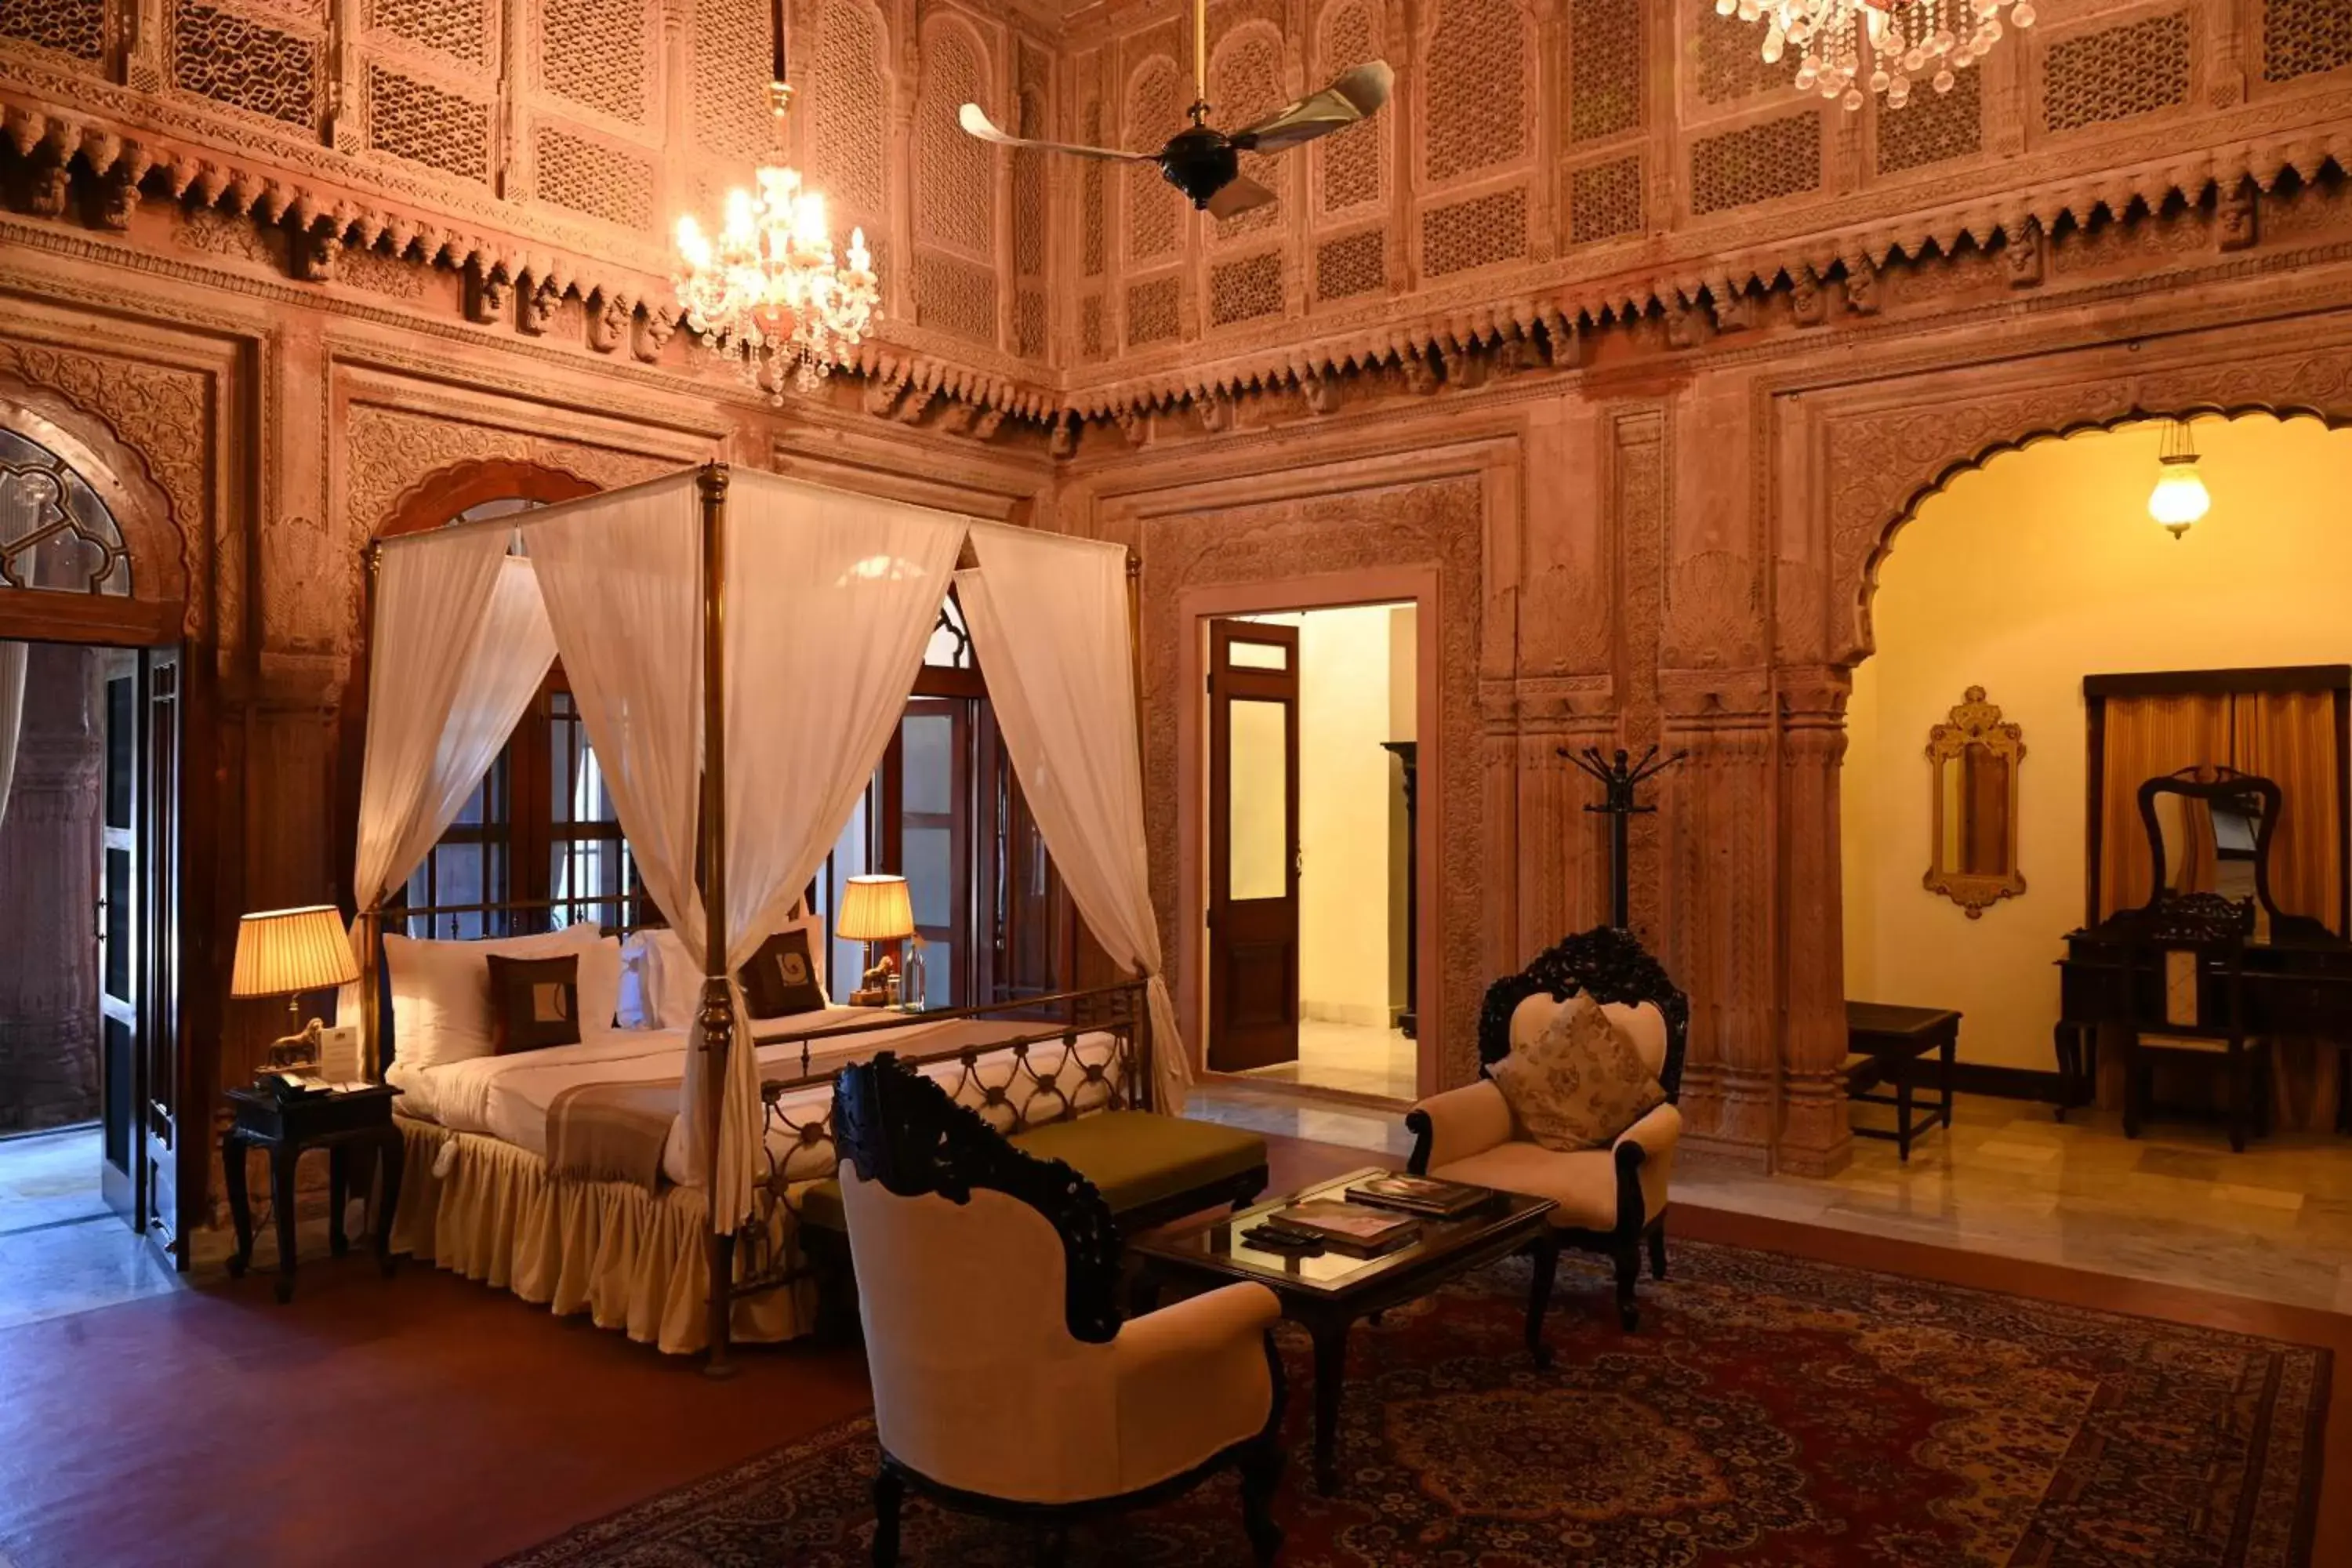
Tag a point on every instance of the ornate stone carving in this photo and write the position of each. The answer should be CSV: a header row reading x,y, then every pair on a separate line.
x,y
389,450
1805,302
608,321
489,295
538,308
651,335
1320,394
2234,216
162,414
1711,613
2022,256
1861,286
318,253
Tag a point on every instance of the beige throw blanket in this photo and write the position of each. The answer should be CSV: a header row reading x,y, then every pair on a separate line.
x,y
612,1131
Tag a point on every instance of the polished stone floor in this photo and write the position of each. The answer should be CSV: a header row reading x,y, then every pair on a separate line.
x,y
62,1250
1350,1057
2173,1206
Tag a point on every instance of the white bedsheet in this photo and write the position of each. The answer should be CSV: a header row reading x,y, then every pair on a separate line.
x,y
506,1097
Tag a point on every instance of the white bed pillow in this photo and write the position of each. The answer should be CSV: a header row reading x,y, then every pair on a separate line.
x,y
599,985
637,1005
675,990
441,990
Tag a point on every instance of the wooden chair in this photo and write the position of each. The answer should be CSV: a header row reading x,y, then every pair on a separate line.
x,y
1611,1201
1004,1382
2186,998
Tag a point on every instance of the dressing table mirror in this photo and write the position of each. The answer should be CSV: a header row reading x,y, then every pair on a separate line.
x,y
1972,758
2210,831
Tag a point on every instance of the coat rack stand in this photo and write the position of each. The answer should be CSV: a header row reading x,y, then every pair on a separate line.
x,y
1618,777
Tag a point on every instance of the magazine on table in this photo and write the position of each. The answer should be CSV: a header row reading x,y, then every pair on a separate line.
x,y
1422,1195
1348,1227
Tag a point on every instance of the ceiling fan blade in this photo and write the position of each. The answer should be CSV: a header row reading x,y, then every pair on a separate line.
x,y
977,123
1241,196
1353,95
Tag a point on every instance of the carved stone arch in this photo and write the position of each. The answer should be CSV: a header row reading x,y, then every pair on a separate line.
x,y
157,541
1882,467
437,497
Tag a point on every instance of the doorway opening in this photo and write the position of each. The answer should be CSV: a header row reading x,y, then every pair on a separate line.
x,y
1311,910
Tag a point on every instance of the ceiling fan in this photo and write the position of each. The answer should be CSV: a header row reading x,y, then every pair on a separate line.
x,y
1202,161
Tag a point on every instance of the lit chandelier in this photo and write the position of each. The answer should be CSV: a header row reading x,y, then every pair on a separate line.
x,y
768,293
1909,39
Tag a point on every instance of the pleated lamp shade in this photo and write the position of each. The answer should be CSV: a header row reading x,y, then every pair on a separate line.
x,y
876,908
282,951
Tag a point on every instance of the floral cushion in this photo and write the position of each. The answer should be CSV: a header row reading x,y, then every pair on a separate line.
x,y
1579,1083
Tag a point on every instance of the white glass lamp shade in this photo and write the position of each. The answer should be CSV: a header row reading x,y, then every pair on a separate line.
x,y
281,952
2180,498
876,908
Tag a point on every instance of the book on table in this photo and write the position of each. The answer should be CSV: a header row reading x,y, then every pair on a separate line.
x,y
1348,1227
1422,1195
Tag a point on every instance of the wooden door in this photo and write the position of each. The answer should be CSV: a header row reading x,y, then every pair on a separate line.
x,y
1253,845
121,962
174,1147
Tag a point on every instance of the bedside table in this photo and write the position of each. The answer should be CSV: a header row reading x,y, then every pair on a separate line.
x,y
336,1122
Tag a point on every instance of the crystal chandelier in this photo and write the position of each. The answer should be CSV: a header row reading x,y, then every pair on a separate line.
x,y
768,292
1909,40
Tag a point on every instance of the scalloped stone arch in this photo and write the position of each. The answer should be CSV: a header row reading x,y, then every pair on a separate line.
x,y
438,496
2321,389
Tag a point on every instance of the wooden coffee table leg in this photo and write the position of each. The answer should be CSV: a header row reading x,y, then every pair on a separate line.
x,y
1331,1335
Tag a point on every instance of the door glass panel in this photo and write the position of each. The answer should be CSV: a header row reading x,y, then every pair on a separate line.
x,y
120,914
929,868
1257,655
121,750
1258,776
118,1041
930,763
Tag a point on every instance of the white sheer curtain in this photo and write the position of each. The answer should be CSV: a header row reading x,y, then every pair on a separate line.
x,y
459,644
12,715
1049,621
830,598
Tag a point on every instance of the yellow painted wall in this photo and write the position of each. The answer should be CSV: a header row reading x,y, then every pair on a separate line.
x,y
2022,577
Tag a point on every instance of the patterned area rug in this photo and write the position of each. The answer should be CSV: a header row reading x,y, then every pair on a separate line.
x,y
1772,1413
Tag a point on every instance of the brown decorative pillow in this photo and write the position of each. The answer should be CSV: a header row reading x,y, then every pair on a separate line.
x,y
1580,1084
534,1003
781,979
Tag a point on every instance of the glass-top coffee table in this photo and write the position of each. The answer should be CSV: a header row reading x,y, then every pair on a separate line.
x,y
1326,1292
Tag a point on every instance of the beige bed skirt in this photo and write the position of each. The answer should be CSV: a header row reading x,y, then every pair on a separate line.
x,y
631,1259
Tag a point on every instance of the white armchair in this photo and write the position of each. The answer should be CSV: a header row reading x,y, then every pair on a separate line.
x,y
1004,1382
1610,1200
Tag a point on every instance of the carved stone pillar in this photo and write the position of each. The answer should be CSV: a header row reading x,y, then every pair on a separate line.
x,y
1814,1139
1715,818
48,898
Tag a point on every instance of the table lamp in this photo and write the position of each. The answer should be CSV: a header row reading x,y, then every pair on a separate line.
x,y
875,909
286,953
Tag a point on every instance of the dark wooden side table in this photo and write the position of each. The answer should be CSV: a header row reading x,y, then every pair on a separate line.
x,y
1891,1041
1327,1292
337,1122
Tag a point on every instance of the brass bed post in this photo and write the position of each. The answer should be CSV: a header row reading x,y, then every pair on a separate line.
x,y
717,1011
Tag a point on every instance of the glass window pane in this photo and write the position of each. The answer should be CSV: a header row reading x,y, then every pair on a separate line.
x,y
930,875
55,531
849,859
122,925
938,973
1258,776
1257,655
121,750
930,749
951,644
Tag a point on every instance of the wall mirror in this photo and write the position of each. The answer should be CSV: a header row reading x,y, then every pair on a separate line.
x,y
1972,760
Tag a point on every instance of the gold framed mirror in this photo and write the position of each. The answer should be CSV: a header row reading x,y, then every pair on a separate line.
x,y
1972,760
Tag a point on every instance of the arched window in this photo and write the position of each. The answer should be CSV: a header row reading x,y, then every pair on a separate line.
x,y
55,531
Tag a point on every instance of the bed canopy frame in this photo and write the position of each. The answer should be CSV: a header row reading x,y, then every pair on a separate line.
x,y
669,627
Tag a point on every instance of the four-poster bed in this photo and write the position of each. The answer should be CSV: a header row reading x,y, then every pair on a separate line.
x,y
740,647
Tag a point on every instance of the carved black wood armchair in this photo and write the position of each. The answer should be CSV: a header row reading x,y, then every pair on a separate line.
x,y
1004,1382
1611,1201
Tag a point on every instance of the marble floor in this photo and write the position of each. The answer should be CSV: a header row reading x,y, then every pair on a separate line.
x,y
62,1250
2174,1206
1351,1058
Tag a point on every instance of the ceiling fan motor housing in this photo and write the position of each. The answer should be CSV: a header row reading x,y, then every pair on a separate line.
x,y
1200,163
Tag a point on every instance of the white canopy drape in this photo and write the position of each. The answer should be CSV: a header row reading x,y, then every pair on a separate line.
x,y
1049,621
461,643
12,715
830,598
